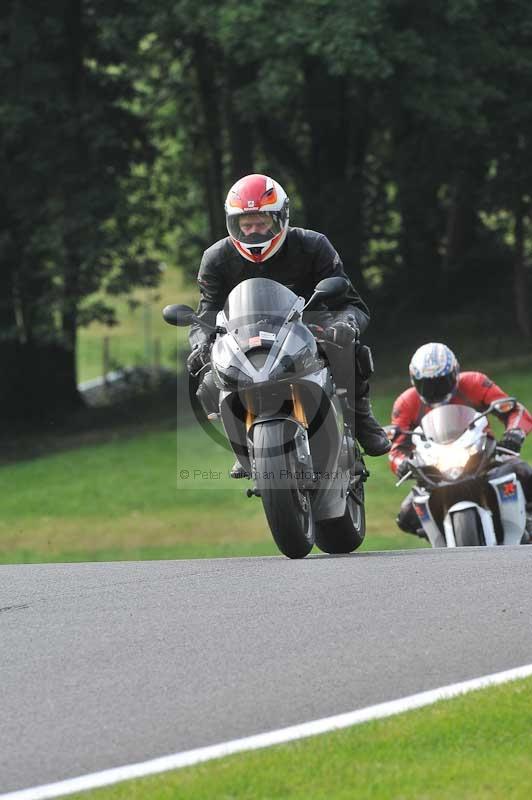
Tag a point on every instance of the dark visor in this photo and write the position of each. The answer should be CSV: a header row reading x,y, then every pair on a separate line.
x,y
435,390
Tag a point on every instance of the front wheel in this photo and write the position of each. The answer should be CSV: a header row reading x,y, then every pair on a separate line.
x,y
286,506
344,534
467,528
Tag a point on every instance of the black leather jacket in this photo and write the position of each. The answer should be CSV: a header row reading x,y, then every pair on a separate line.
x,y
305,258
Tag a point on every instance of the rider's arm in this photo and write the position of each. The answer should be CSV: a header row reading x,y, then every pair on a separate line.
x,y
212,298
327,264
405,414
482,391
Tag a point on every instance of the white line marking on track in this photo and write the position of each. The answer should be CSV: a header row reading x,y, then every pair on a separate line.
x,y
188,758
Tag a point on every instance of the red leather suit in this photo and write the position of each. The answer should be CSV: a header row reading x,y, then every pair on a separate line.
x,y
474,389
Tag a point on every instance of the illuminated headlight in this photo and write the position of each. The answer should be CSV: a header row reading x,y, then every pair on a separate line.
x,y
452,460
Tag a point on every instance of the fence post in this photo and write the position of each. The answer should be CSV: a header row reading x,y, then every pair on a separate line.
x,y
105,359
147,333
157,361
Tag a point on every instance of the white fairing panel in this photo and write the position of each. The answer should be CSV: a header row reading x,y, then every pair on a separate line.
x,y
512,507
485,519
422,509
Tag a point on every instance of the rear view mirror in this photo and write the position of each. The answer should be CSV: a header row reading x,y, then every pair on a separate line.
x,y
331,287
179,315
327,288
504,405
392,431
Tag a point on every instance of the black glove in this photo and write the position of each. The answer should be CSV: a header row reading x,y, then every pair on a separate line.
x,y
341,333
403,468
198,358
513,440
316,330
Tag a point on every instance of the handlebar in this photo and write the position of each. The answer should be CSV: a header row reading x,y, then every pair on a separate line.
x,y
415,471
328,343
506,452
408,475
502,405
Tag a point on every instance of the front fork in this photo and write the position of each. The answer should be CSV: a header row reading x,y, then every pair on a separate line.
x,y
303,456
298,418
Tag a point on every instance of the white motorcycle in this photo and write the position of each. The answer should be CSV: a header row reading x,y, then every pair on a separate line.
x,y
459,498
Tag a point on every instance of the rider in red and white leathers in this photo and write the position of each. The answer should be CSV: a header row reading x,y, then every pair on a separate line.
x,y
436,379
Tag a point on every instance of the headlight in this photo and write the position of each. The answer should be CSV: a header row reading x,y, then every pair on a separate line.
x,y
230,378
452,459
227,371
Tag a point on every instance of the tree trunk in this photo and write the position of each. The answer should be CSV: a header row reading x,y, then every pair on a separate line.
x,y
520,283
421,216
332,182
462,228
209,93
74,190
9,395
461,220
241,139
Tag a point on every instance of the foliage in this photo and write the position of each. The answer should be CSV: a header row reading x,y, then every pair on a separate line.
x,y
53,505
76,199
402,131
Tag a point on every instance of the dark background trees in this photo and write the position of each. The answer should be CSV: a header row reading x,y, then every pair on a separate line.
x,y
73,212
401,129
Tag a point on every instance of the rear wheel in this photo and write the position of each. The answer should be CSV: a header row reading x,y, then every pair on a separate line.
x,y
286,506
467,528
344,534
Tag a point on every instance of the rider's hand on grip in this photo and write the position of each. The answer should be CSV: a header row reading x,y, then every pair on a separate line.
x,y
513,440
198,358
403,468
316,330
341,333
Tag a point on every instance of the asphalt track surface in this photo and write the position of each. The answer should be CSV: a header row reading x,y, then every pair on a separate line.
x,y
103,665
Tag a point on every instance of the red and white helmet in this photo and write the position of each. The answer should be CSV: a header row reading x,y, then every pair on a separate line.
x,y
256,212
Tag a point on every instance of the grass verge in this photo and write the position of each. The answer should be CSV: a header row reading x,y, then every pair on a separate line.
x,y
139,325
475,747
123,499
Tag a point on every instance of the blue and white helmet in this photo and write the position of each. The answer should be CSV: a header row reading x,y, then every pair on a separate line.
x,y
434,371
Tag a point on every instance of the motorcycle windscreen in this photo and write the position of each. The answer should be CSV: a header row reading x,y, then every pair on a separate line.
x,y
446,423
255,311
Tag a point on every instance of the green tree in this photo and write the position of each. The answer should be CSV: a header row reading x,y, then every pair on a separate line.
x,y
76,196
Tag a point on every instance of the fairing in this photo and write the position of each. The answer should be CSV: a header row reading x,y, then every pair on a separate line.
x,y
255,306
446,423
262,344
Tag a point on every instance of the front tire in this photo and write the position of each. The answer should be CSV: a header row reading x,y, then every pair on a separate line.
x,y
344,534
467,528
286,506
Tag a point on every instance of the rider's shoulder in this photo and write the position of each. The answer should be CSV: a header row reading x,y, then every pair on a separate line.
x,y
407,401
221,251
305,239
474,378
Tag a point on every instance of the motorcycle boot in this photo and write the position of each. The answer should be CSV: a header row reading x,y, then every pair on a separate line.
x,y
351,379
407,519
369,433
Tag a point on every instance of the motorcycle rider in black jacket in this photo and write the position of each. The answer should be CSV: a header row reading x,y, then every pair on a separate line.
x,y
261,244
